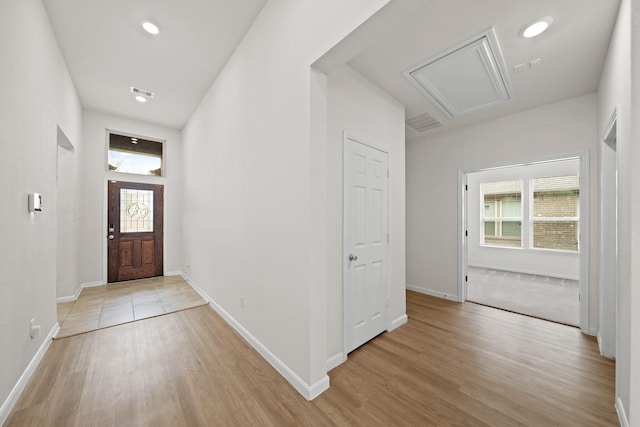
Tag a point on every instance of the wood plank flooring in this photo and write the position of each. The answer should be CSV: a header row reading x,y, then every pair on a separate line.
x,y
452,364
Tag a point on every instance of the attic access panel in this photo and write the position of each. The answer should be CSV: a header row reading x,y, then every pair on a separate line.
x,y
466,78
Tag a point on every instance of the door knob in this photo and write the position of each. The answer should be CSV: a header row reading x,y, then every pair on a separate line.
x,y
353,257
111,236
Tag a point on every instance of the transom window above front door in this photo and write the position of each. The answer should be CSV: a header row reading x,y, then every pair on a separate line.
x,y
130,154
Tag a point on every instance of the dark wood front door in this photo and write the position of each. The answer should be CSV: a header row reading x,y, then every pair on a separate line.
x,y
135,218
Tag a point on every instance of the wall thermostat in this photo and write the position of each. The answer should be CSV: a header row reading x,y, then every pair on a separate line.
x,y
35,202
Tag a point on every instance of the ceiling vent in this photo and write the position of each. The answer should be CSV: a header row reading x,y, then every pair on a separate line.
x,y
422,122
138,91
465,78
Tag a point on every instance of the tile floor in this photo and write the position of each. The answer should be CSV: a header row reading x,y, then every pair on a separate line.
x,y
109,305
544,297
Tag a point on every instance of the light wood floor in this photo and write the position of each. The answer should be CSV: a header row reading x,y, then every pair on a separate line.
x,y
452,364
108,305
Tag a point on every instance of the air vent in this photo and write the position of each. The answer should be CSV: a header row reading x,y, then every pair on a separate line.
x,y
466,78
138,91
422,122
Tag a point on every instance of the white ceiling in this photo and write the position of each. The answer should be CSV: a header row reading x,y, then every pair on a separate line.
x,y
107,51
573,50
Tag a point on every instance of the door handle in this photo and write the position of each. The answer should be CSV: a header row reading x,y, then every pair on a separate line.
x,y
353,257
111,237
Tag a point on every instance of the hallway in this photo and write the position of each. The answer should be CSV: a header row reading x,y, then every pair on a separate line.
x,y
461,364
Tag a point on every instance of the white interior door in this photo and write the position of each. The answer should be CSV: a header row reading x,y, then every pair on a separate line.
x,y
366,242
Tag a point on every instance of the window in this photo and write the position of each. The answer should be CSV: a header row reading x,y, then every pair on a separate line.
x,y
556,212
502,213
135,155
136,210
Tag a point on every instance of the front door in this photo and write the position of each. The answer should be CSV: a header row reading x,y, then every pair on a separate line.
x,y
366,245
135,231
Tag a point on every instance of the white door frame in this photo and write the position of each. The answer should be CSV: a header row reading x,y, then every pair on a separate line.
x,y
608,327
584,227
345,250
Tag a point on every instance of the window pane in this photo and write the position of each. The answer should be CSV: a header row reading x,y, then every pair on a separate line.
x,y
489,208
503,233
502,199
561,235
489,229
511,229
135,155
556,197
136,210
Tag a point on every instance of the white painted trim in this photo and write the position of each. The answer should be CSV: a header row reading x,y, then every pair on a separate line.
x,y
197,288
336,360
93,284
17,390
622,416
310,392
173,273
70,298
436,294
395,324
532,272
593,332
75,296
462,236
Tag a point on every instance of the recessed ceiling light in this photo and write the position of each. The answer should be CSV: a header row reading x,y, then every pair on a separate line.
x,y
141,98
150,27
536,28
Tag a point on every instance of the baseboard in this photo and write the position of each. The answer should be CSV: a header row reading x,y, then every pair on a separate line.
x,y
75,296
593,332
173,273
197,288
437,294
395,324
533,273
622,416
310,392
335,360
11,400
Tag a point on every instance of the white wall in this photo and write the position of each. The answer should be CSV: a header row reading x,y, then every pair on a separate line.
x,y
615,90
561,264
37,96
364,112
554,130
93,191
68,219
631,177
250,175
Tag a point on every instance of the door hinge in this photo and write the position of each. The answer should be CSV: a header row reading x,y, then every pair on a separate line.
x,y
466,278
466,187
466,233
